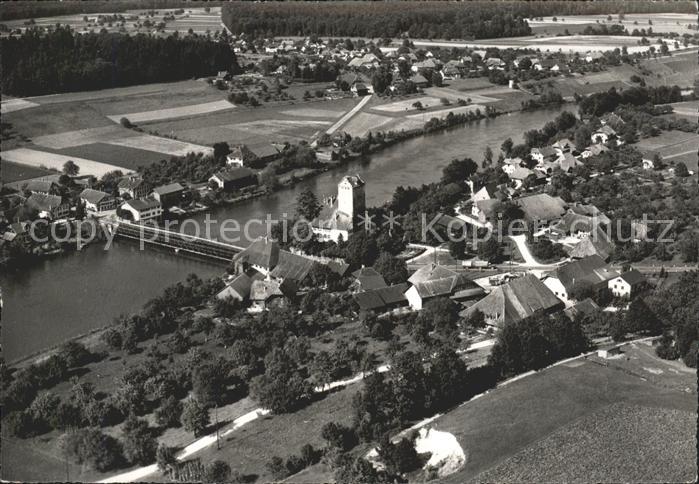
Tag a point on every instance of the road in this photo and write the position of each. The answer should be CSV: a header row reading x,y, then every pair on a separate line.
x,y
349,115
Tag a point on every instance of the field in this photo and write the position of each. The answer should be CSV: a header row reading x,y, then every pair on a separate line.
x,y
123,156
572,410
674,146
38,159
178,112
196,19
662,22
11,172
687,108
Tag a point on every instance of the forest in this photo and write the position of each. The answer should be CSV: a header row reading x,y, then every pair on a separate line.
x,y
37,63
447,20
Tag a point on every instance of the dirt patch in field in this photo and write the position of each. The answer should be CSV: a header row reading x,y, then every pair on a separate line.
x,y
407,104
362,123
313,113
80,137
12,105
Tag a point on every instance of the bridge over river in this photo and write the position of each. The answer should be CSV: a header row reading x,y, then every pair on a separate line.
x,y
178,242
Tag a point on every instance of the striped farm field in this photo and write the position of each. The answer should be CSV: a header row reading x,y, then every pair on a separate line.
x,y
170,113
161,145
69,139
12,105
36,158
123,156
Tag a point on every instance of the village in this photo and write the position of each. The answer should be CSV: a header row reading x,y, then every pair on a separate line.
x,y
450,225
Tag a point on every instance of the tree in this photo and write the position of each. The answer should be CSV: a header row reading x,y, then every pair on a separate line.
x,y
195,416
681,170
459,170
165,457
217,471
398,458
487,157
489,250
393,270
124,121
282,388
277,468
307,205
93,448
221,150
70,168
140,446
457,248
169,413
436,79
506,146
209,383
582,137
338,436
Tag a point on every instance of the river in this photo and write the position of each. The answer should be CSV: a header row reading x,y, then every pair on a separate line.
x,y
62,297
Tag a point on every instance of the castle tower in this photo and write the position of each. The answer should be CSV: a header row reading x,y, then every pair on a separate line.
x,y
351,200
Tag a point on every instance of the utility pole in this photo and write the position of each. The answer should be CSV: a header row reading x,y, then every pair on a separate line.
x,y
218,441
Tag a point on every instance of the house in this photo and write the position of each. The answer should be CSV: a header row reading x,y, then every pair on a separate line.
x,y
419,80
96,201
546,153
651,160
486,192
626,284
518,299
168,195
48,206
134,187
581,220
382,299
586,307
42,187
609,352
510,164
18,233
567,162
563,146
597,243
542,208
603,134
434,280
233,178
142,209
238,288
592,272
240,155
594,150
337,218
368,278
359,89
262,255
494,63
519,174
593,56
613,120
266,293
484,210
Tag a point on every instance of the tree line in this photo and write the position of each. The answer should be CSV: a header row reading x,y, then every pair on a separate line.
x,y
37,63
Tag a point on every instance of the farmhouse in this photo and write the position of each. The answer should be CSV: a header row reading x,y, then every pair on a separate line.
x,y
597,243
49,206
383,298
591,272
266,293
594,150
419,80
546,153
168,195
542,208
240,155
586,307
434,280
134,187
238,288
96,201
603,134
626,284
518,299
142,210
484,210
233,178
368,278
42,187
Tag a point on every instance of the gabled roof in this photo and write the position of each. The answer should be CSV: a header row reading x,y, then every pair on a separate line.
x,y
518,299
239,288
263,289
430,272
633,277
444,286
169,188
40,186
585,307
418,79
94,196
292,266
597,243
568,162
235,173
542,206
142,204
131,182
354,180
45,203
368,278
262,252
381,297
590,270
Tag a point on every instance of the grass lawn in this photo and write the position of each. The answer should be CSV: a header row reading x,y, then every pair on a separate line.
x,y
535,415
55,118
10,172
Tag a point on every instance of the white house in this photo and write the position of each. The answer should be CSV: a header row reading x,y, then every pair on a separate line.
x,y
96,201
626,284
143,209
602,135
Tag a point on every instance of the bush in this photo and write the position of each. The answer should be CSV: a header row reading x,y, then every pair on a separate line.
x,y
140,446
339,436
165,457
169,413
124,121
20,424
277,468
217,471
93,448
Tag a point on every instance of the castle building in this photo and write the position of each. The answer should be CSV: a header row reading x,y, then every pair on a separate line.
x,y
338,217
